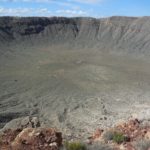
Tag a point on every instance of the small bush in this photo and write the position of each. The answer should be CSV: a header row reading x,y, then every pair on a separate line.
x,y
108,135
119,138
114,136
142,144
74,146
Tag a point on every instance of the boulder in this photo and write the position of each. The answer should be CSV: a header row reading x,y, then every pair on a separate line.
x,y
40,138
24,122
147,135
31,139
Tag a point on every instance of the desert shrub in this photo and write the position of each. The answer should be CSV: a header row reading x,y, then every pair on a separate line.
x,y
142,144
74,146
108,135
115,136
99,146
119,138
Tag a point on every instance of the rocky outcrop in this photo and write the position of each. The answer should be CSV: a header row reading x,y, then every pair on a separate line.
x,y
31,139
21,123
137,137
133,131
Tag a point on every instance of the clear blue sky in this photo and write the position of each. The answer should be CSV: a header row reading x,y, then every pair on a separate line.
x,y
94,8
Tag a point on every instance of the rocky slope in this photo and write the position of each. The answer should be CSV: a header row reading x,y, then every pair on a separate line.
x,y
125,35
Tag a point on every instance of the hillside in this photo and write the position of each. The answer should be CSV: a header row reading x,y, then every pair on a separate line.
x,y
123,35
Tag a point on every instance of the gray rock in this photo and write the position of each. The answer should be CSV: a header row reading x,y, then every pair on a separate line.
x,y
23,122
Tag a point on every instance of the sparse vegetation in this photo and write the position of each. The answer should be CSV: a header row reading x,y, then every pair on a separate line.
x,y
119,138
75,146
108,135
142,144
115,136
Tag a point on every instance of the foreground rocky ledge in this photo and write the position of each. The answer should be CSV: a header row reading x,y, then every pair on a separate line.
x,y
131,135
31,139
